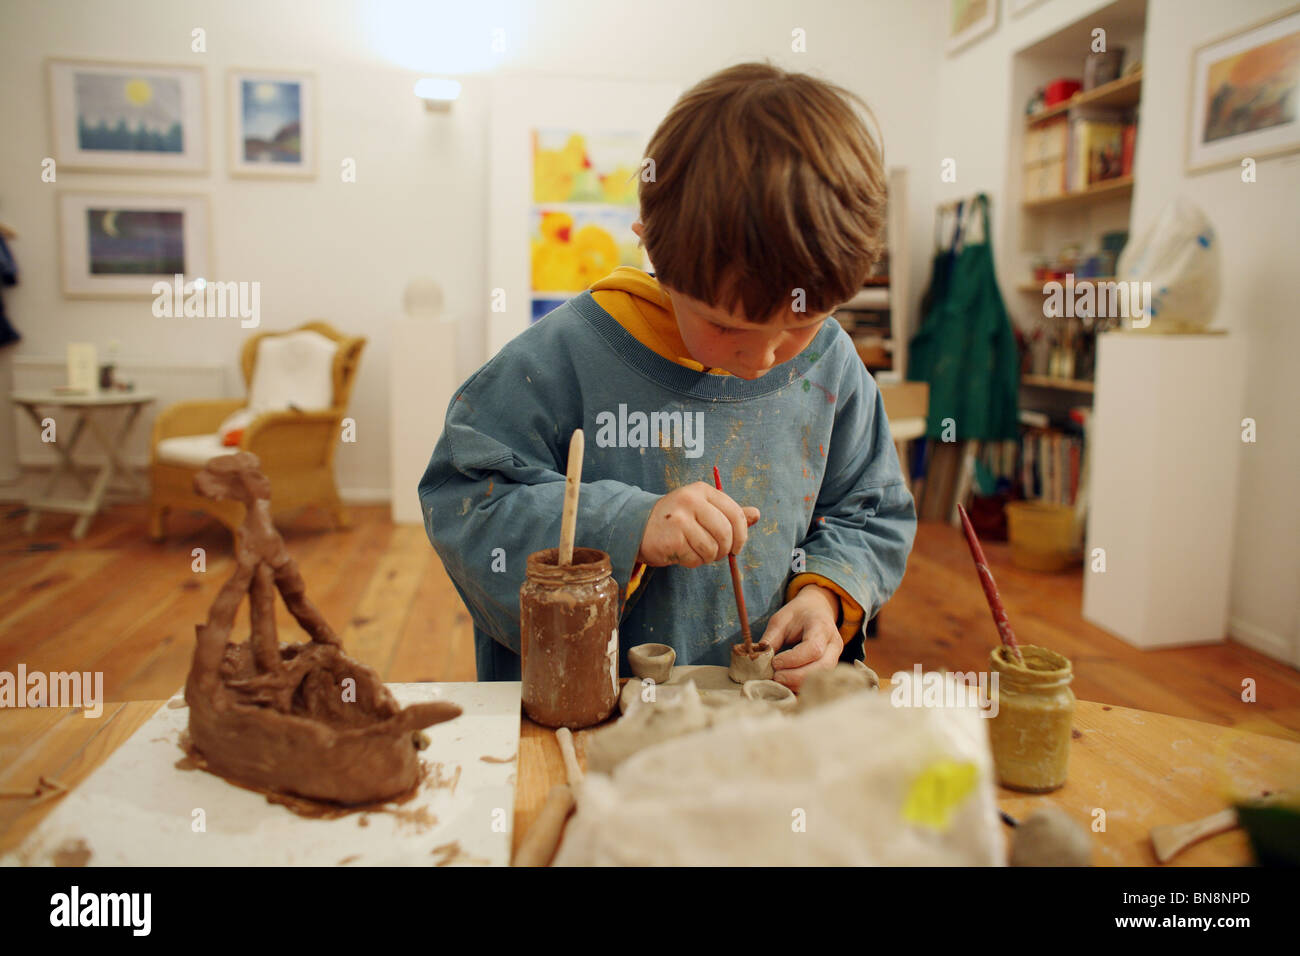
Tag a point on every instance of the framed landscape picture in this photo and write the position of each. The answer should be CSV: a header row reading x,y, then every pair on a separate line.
x,y
128,117
119,244
1246,95
272,124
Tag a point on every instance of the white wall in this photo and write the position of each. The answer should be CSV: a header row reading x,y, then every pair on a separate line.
x,y
1256,224
345,252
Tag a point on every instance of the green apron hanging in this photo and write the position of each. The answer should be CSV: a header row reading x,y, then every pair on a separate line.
x,y
965,348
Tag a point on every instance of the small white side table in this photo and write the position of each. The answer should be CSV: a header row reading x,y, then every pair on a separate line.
x,y
85,406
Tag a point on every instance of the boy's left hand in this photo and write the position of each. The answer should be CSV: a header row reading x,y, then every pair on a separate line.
x,y
807,623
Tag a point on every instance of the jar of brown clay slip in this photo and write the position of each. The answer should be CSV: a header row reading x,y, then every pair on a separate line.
x,y
568,626
1030,735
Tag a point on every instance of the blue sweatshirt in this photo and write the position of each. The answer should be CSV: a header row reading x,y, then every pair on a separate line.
x,y
807,444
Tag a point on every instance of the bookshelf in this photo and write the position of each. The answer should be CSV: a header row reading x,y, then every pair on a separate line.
x,y
876,318
1055,230
1051,381
1069,206
1119,188
1123,93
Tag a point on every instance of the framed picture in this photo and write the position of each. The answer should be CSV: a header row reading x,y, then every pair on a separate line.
x,y
272,124
583,205
1020,6
968,20
119,244
1245,88
128,117
562,188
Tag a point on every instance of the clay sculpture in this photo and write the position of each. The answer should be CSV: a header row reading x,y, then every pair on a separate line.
x,y
769,692
751,663
652,662
302,719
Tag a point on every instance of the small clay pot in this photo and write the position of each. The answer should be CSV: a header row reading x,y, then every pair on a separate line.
x,y
770,692
755,666
652,662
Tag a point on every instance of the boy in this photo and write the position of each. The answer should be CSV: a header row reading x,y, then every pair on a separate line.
x,y
764,212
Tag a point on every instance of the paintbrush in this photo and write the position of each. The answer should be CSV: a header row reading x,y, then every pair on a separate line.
x,y
990,589
572,485
735,583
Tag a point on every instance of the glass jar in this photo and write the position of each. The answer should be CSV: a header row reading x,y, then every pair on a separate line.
x,y
1030,735
568,627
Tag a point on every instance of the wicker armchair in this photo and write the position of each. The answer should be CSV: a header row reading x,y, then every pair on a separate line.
x,y
296,448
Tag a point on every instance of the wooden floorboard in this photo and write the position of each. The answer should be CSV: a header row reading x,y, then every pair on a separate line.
x,y
119,603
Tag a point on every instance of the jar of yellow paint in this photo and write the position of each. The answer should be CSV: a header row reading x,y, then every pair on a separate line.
x,y
1030,735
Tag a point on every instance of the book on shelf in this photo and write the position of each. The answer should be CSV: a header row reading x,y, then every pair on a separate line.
x,y
1050,465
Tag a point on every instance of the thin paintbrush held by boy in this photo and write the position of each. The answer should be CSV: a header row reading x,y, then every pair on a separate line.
x,y
764,212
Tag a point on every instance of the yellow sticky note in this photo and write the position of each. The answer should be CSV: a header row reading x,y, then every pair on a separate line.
x,y
937,792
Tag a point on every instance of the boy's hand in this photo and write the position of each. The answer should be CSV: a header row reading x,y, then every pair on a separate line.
x,y
694,525
807,623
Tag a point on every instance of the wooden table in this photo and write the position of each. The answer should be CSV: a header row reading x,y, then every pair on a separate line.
x,y
86,407
1142,769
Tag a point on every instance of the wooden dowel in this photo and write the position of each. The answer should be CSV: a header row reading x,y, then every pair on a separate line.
x,y
571,769
542,839
572,485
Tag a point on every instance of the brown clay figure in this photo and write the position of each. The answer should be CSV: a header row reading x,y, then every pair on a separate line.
x,y
303,719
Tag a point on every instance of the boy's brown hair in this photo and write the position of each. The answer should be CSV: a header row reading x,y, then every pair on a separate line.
x,y
764,182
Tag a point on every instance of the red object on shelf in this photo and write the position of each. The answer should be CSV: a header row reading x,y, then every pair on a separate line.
x,y
1130,146
1058,91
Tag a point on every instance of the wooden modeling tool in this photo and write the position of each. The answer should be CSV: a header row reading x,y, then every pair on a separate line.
x,y
572,485
1171,839
990,588
543,838
571,769
735,583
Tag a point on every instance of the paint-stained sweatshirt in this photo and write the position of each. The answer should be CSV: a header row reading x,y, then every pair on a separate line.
x,y
807,444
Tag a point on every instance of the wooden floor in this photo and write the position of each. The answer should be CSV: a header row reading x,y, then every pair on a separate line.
x,y
119,603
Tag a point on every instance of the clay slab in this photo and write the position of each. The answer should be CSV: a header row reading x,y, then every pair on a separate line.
x,y
710,680
137,809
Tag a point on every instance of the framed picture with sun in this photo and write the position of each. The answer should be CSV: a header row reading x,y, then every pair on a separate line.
x,y
128,117
119,244
272,124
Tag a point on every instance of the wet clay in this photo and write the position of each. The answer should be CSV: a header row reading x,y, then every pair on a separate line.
x,y
756,665
304,719
826,686
770,692
1030,735
568,626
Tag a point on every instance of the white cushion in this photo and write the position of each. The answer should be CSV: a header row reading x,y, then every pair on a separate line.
x,y
192,450
294,370
236,422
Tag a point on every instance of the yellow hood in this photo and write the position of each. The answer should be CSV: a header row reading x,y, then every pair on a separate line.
x,y
639,304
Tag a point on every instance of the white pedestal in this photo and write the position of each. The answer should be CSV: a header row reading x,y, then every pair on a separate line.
x,y
1166,445
422,380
